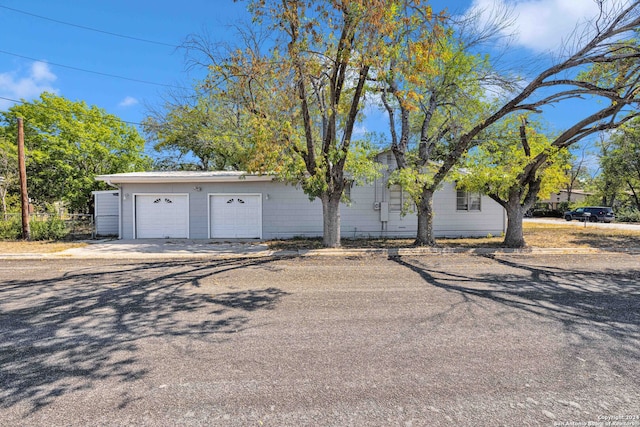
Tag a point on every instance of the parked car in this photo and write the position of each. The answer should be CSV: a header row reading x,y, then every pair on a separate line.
x,y
591,213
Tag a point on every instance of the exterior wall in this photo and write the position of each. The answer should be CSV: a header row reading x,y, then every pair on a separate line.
x,y
106,213
287,211
449,222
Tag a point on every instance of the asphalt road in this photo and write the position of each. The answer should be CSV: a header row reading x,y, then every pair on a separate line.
x,y
444,340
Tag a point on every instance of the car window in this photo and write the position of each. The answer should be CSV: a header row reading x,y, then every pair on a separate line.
x,y
579,210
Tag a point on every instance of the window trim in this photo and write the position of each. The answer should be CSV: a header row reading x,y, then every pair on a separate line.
x,y
468,197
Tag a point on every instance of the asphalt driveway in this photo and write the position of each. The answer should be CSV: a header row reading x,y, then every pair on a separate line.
x,y
443,340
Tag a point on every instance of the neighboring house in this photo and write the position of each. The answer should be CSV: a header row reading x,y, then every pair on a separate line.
x,y
554,200
235,205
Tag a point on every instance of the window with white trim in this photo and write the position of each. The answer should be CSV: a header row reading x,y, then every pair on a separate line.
x,y
467,201
398,198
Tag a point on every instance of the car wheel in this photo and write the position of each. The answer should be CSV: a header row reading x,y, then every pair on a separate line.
x,y
593,218
568,217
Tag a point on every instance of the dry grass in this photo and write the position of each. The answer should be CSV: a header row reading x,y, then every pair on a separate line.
x,y
537,235
569,236
23,247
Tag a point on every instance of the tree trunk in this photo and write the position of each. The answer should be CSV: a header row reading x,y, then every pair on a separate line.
x,y
514,236
425,220
331,220
634,194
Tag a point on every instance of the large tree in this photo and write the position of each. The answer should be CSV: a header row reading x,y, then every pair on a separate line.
x,y
436,86
201,131
608,45
68,143
577,173
620,163
501,168
307,93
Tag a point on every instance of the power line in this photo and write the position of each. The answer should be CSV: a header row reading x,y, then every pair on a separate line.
x,y
62,111
93,72
90,28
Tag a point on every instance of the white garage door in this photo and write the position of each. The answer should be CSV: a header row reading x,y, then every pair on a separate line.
x,y
236,216
162,216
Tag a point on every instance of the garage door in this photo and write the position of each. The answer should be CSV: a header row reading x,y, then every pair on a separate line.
x,y
162,216
236,216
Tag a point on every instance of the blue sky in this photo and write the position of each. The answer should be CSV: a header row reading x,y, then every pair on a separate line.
x,y
41,55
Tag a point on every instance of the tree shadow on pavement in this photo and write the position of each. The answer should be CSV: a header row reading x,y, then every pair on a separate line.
x,y
599,310
67,332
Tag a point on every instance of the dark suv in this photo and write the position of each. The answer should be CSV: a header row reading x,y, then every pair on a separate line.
x,y
591,213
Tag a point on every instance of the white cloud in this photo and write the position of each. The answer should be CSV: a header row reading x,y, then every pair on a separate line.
x,y
544,25
41,73
128,102
16,85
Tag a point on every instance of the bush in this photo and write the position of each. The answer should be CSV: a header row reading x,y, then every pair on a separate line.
x,y
628,215
52,228
547,213
11,229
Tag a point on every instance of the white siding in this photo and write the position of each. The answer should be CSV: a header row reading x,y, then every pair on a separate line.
x,y
106,212
287,212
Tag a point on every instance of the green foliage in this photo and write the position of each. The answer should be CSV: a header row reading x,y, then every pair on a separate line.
x,y
627,215
497,165
11,229
620,166
69,143
52,228
413,181
360,163
210,127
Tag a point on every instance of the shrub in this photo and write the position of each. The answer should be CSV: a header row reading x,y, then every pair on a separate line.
x,y
547,213
11,229
628,215
52,228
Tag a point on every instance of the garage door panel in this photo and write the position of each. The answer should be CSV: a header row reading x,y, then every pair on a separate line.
x,y
236,216
162,216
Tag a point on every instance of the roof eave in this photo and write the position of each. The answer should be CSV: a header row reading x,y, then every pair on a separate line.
x,y
115,179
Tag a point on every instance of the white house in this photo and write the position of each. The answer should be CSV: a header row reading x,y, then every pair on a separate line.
x,y
236,205
554,200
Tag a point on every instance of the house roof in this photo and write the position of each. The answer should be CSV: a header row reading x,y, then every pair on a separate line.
x,y
181,176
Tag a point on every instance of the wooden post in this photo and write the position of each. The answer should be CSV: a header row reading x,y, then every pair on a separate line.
x,y
26,232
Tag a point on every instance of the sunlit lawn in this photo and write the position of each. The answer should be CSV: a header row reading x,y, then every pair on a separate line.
x,y
537,235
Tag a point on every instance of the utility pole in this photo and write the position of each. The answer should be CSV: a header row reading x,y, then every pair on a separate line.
x,y
26,232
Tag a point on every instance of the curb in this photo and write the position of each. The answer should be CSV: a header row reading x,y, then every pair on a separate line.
x,y
394,252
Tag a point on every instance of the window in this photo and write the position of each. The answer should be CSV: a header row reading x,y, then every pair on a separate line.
x,y
398,198
395,198
466,201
